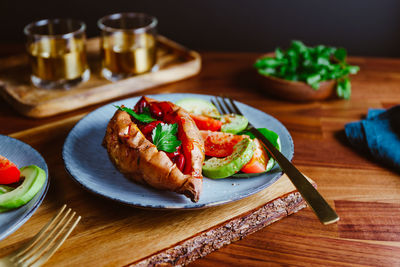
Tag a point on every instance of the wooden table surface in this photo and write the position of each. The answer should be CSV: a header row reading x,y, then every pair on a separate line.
x,y
365,194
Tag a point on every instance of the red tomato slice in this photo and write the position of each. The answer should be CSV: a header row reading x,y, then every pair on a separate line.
x,y
219,144
206,123
258,163
9,173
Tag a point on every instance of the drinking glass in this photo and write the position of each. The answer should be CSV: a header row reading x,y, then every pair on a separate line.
x,y
128,44
57,53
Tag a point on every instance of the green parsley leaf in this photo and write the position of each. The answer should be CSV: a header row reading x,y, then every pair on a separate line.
x,y
312,65
343,88
278,53
164,137
313,81
353,69
144,117
341,54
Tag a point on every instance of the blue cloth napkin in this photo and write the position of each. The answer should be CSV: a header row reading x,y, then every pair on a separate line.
x,y
379,134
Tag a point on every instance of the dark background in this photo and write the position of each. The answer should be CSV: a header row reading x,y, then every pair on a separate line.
x,y
364,27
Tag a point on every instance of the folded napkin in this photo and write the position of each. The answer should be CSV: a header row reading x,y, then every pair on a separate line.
x,y
379,134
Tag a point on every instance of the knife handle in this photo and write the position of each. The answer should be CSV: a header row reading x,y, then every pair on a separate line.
x,y
318,204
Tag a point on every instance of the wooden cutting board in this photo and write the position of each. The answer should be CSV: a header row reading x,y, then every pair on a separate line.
x,y
129,236
174,62
111,234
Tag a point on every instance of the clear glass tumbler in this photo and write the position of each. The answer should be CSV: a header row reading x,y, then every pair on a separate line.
x,y
128,44
57,53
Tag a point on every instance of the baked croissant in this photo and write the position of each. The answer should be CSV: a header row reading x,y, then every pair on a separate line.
x,y
130,147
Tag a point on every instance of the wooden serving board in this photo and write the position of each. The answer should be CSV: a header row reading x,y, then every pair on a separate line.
x,y
129,236
174,62
112,234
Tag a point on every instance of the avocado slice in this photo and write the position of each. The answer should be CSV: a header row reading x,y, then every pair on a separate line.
x,y
233,123
217,168
5,189
34,180
198,106
275,140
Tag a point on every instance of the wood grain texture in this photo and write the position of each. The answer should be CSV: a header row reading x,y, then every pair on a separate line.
x,y
174,63
344,176
221,235
379,223
121,235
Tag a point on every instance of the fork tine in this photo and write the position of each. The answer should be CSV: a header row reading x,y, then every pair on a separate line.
x,y
44,243
39,235
215,104
231,111
221,107
40,242
237,110
38,254
53,249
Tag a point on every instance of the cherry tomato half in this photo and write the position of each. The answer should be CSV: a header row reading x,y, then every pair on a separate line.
x,y
258,163
219,144
206,123
9,172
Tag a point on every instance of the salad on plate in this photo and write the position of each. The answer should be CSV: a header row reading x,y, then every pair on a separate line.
x,y
170,146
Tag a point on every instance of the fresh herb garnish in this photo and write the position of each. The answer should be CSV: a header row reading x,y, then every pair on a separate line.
x,y
144,117
164,137
311,65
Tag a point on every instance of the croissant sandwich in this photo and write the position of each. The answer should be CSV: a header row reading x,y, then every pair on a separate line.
x,y
157,143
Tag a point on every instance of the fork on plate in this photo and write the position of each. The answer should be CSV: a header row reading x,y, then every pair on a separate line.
x,y
318,204
45,243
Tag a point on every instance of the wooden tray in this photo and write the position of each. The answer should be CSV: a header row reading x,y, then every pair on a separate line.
x,y
174,62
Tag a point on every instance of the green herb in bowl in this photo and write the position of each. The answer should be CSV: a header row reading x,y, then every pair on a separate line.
x,y
311,65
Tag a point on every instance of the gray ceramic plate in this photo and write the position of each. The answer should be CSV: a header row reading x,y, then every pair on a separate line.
x,y
88,163
22,155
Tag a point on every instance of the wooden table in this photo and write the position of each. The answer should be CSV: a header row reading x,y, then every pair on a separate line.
x,y
365,194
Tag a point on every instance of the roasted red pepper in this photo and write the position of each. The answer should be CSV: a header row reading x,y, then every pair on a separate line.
x,y
164,112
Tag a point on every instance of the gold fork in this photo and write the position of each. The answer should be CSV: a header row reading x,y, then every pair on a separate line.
x,y
45,243
318,204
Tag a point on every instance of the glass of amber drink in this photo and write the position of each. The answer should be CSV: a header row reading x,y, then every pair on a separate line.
x,y
57,53
128,44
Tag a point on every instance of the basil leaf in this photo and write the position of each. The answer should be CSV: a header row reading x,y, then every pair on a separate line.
x,y
340,54
343,88
268,62
144,117
164,137
311,65
298,46
278,53
323,61
313,81
267,71
353,69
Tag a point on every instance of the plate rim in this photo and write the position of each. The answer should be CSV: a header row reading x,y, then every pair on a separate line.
x,y
26,216
191,206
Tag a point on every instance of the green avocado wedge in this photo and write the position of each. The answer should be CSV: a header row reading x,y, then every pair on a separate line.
x,y
34,180
198,106
5,189
233,123
275,140
217,168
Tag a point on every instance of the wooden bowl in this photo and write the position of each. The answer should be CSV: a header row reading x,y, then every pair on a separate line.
x,y
296,91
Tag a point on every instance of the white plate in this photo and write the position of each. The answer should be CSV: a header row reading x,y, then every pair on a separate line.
x,y
88,163
22,155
